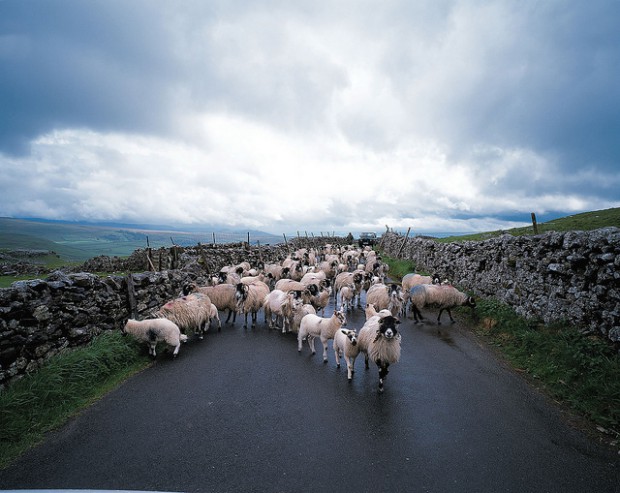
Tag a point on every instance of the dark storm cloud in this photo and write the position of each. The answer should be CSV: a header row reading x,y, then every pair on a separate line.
x,y
96,64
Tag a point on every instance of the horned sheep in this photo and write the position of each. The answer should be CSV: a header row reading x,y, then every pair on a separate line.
x,y
250,299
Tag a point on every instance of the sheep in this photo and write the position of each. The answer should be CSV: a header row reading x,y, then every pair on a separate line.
x,y
192,312
250,299
346,298
155,330
371,311
354,280
345,343
441,296
320,300
221,295
279,303
300,310
301,290
412,279
379,340
382,296
313,326
214,315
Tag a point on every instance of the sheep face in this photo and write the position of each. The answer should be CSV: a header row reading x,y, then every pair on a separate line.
x,y
339,314
387,327
351,335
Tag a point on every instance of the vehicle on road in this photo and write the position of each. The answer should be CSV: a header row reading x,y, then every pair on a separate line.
x,y
367,239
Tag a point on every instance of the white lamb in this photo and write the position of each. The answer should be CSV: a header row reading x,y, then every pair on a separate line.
x,y
300,310
380,341
345,343
155,330
440,296
313,326
280,304
346,298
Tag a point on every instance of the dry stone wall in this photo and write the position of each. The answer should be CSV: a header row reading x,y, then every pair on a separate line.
x,y
40,318
572,276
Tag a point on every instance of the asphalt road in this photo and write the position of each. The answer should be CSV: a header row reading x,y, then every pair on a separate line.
x,y
243,411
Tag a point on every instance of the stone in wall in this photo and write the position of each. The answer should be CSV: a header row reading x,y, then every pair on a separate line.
x,y
572,276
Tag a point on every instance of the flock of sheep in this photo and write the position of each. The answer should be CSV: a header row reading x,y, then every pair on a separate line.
x,y
293,295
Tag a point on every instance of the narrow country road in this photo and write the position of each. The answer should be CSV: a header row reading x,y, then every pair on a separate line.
x,y
243,411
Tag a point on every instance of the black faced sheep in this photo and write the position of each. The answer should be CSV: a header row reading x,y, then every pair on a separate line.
x,y
440,296
250,299
380,341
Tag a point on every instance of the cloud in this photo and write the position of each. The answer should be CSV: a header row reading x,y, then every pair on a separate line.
x,y
449,114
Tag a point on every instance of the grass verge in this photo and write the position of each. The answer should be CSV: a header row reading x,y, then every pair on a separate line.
x,y
582,372
579,371
66,384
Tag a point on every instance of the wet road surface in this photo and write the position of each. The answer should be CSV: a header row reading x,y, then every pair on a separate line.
x,y
242,410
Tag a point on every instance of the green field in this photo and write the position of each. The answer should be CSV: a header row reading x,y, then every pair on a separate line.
x,y
585,221
80,242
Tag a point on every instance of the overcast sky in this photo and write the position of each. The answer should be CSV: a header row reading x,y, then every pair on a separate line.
x,y
439,115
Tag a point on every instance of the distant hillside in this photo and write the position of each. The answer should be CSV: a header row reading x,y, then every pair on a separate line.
x,y
81,241
578,222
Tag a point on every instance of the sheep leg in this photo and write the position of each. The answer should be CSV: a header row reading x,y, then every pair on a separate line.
x,y
311,343
337,356
350,363
324,341
300,340
417,314
152,349
383,372
230,312
176,350
366,361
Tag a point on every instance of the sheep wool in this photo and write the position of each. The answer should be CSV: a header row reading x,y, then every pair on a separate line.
x,y
156,330
380,341
221,295
190,313
440,296
313,326
345,343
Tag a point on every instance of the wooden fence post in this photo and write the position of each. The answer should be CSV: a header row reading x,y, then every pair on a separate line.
x,y
534,223
131,297
403,243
